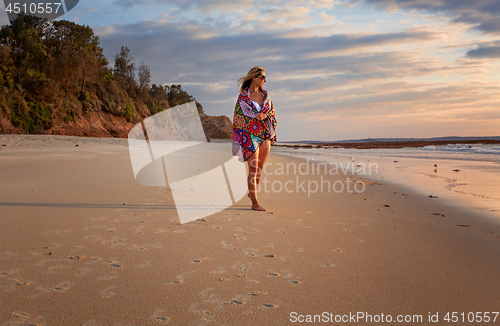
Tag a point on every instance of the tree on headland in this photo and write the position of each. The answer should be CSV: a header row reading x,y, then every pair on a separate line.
x,y
55,71
77,55
144,75
124,71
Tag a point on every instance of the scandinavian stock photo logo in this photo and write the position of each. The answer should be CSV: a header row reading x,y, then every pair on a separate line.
x,y
50,9
170,149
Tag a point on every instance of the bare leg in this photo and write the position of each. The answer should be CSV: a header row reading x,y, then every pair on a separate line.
x,y
253,167
264,150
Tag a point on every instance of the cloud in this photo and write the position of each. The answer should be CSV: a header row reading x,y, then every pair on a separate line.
x,y
480,14
230,5
194,53
203,5
488,52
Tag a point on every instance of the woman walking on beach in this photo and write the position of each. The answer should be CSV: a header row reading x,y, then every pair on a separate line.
x,y
254,128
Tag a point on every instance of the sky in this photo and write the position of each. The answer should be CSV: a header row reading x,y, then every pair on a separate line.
x,y
336,69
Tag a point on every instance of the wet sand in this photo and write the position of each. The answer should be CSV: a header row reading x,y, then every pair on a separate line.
x,y
83,244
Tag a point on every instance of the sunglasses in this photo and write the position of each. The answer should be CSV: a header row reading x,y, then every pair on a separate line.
x,y
263,77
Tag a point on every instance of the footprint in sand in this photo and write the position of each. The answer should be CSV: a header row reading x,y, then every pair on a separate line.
x,y
58,288
137,229
273,274
217,227
328,265
240,299
95,238
338,250
267,306
239,237
22,318
197,261
112,263
218,270
159,317
63,286
116,242
298,249
107,292
8,272
280,231
252,283
112,276
294,282
237,302
250,252
15,284
206,316
138,247
182,277
241,266
227,245
83,271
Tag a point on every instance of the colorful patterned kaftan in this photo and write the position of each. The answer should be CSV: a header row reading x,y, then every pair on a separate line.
x,y
248,132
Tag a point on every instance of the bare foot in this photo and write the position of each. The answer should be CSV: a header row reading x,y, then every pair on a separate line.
x,y
257,207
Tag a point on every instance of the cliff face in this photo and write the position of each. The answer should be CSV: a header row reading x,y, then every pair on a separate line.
x,y
219,127
104,124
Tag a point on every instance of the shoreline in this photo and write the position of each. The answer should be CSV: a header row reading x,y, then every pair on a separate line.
x,y
390,144
84,244
460,182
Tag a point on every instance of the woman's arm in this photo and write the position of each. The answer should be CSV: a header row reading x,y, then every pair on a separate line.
x,y
261,116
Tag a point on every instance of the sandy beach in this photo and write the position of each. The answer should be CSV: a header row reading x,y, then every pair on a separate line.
x,y
81,243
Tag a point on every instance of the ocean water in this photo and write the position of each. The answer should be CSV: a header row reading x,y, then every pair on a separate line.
x,y
465,175
466,152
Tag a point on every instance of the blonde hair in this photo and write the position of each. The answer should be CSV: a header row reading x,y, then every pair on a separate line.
x,y
245,82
